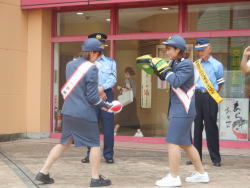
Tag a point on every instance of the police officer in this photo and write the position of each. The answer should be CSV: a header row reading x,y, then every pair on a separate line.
x,y
206,105
107,80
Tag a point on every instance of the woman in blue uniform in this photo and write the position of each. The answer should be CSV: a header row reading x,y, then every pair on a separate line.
x,y
180,74
79,113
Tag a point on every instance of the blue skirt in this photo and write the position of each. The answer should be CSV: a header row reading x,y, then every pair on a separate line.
x,y
179,131
83,132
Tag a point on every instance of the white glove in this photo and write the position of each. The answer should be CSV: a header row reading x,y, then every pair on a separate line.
x,y
116,107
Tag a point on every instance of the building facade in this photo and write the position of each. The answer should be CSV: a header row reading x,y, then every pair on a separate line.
x,y
45,35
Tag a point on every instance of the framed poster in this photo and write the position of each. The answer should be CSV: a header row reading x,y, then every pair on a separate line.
x,y
234,119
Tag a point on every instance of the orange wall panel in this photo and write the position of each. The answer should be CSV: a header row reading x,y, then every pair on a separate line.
x,y
13,53
25,55
38,71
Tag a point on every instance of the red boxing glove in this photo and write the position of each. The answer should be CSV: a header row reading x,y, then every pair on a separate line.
x,y
116,107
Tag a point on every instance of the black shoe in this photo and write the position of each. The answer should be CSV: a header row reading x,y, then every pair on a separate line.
x,y
101,182
85,160
189,163
217,164
44,178
109,161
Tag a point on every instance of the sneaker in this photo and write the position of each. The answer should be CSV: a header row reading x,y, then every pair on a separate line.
x,y
45,178
138,134
101,182
197,177
189,163
169,180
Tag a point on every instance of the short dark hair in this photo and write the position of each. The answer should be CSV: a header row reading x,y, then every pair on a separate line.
x,y
130,71
182,54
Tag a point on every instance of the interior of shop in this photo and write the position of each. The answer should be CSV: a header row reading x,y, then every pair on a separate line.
x,y
153,118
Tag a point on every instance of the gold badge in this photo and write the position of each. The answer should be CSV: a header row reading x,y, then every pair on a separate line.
x,y
98,37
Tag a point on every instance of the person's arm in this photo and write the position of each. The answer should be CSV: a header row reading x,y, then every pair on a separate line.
x,y
111,80
220,76
181,75
127,85
92,91
219,87
243,65
102,94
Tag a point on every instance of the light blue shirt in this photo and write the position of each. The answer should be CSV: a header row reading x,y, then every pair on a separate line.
x,y
107,72
214,71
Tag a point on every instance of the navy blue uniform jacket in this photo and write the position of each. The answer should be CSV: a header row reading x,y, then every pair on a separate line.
x,y
182,76
84,98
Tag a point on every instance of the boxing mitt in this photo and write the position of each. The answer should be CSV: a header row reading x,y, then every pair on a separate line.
x,y
143,62
160,67
113,107
116,107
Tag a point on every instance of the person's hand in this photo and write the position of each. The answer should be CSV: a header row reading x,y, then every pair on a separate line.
x,y
102,94
124,89
116,107
246,51
244,67
160,67
100,89
113,107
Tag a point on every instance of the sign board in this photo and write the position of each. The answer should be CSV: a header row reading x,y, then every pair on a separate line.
x,y
234,119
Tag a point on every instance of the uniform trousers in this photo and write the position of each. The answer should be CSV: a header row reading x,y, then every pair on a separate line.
x,y
207,110
107,122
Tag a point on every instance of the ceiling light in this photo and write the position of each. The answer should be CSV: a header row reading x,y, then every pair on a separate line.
x,y
165,8
108,19
79,13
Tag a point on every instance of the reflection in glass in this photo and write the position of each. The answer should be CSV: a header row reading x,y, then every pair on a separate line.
x,y
219,16
153,19
228,50
83,22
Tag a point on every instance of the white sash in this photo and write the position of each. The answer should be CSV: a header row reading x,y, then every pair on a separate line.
x,y
185,98
75,78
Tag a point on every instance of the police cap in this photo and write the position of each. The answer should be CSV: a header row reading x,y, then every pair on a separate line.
x,y
92,45
201,44
176,41
99,36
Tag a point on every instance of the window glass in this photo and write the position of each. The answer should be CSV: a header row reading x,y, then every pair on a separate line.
x,y
152,116
83,22
153,120
153,19
219,16
151,103
228,50
233,115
